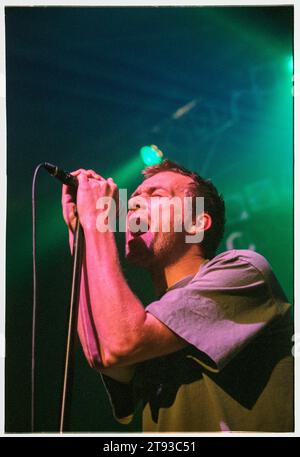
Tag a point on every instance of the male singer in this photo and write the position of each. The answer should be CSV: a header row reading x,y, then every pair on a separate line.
x,y
213,352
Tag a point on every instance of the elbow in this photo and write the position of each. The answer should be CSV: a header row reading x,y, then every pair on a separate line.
x,y
120,355
110,360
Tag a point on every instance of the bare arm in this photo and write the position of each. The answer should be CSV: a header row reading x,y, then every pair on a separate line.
x,y
125,334
86,332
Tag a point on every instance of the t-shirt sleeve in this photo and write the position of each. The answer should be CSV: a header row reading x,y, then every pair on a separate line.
x,y
232,298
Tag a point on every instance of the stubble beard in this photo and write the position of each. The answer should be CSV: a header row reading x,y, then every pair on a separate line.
x,y
156,250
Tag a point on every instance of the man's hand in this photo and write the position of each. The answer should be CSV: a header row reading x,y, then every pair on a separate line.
x,y
95,195
91,188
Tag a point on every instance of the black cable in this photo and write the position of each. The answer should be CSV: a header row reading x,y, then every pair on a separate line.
x,y
33,299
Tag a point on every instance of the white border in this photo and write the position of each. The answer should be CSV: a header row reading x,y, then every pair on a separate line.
x,y
3,191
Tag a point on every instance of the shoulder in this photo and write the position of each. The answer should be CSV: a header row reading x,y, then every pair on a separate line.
x,y
236,267
241,256
243,270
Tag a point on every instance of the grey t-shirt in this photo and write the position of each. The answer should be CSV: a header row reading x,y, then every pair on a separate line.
x,y
236,372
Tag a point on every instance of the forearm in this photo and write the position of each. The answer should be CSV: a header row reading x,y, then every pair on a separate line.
x,y
90,344
86,333
88,337
109,307
86,328
117,313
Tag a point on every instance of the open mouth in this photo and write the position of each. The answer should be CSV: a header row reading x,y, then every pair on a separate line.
x,y
137,226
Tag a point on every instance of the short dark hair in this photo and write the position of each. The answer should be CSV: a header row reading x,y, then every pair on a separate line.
x,y
213,202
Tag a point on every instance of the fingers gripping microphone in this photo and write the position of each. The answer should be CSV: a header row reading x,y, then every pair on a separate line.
x,y
61,175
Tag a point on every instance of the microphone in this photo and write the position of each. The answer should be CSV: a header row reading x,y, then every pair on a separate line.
x,y
61,175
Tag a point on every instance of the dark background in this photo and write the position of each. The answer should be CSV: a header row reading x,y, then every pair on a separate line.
x,y
88,87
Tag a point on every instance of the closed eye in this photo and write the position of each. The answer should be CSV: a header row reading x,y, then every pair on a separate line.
x,y
159,192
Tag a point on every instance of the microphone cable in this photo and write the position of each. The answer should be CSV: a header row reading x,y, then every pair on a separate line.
x,y
34,298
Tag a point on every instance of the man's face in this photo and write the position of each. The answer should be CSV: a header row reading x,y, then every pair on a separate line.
x,y
148,239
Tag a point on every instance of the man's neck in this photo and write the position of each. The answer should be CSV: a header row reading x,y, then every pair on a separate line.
x,y
165,277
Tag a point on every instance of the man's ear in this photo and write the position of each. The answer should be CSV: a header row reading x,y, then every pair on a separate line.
x,y
202,222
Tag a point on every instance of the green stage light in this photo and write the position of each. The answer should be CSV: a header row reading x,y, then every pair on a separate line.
x,y
151,155
128,171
